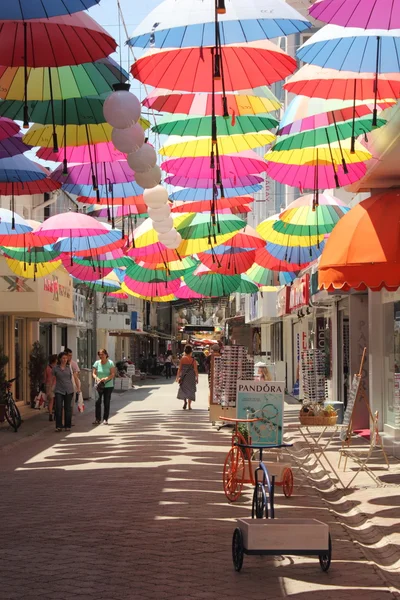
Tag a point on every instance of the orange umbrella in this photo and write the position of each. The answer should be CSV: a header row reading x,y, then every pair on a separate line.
x,y
363,249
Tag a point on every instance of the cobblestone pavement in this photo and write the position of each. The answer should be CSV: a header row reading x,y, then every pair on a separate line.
x,y
136,511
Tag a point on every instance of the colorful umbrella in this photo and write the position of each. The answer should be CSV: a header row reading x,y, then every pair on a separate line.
x,y
159,287
171,267
103,152
247,286
8,128
239,202
266,230
86,272
43,9
296,255
193,194
75,135
31,255
132,210
149,275
228,260
182,125
353,49
302,217
306,176
185,293
239,164
29,188
114,192
62,224
190,69
101,285
264,276
191,182
154,253
206,282
105,173
324,154
246,102
12,146
113,259
367,14
267,260
189,147
312,80
174,24
34,270
11,225
59,83
20,169
129,201
53,42
196,226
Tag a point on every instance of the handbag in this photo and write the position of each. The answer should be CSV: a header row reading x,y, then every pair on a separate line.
x,y
100,385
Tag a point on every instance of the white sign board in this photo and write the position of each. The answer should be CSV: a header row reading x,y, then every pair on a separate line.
x,y
263,400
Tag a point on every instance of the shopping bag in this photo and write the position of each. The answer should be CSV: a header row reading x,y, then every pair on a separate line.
x,y
81,405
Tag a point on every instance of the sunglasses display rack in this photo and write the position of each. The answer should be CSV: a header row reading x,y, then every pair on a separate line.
x,y
313,376
236,364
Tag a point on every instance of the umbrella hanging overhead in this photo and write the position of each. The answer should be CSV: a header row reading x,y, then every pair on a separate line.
x,y
302,217
149,275
190,69
194,147
247,286
132,210
366,14
228,260
306,176
34,270
208,283
195,226
246,102
13,146
30,255
266,231
113,259
43,9
267,260
267,277
239,164
8,128
185,293
20,169
193,194
246,238
353,49
105,173
242,181
177,24
129,201
118,192
103,152
68,224
182,125
11,225
323,154
29,188
85,272
60,83
238,202
159,287
104,286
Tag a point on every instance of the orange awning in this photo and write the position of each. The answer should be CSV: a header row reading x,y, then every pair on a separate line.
x,y
363,251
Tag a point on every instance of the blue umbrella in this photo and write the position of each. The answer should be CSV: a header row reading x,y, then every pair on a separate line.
x,y
353,49
191,194
19,169
12,224
183,24
82,244
297,255
42,9
118,190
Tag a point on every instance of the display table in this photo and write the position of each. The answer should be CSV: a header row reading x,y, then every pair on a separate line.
x,y
317,440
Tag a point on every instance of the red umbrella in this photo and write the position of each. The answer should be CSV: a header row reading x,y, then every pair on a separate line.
x,y
246,238
227,260
246,66
236,202
29,188
266,260
118,201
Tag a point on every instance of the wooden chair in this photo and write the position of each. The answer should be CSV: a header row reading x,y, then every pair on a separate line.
x,y
361,458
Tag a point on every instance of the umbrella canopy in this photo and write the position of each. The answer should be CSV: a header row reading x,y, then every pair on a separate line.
x,y
132,210
353,49
106,173
234,164
302,217
266,230
12,146
29,188
246,238
175,24
193,194
206,282
113,202
116,193
32,255
247,286
367,14
153,253
312,80
20,169
306,176
243,181
182,125
8,128
86,272
362,251
100,285
264,276
246,102
190,69
191,146
76,81
112,259
296,255
103,152
159,287
169,298
43,9
7,220
195,226
149,274
228,260
239,202
267,260
323,154
82,245
185,293
71,224
34,270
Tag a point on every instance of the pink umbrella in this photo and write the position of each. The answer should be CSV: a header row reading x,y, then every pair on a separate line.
x,y
72,224
152,289
185,293
192,182
367,14
103,152
304,176
104,172
131,210
8,128
85,273
242,163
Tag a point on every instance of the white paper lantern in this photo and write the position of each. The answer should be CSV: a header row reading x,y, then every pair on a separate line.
x,y
169,237
122,109
175,243
163,226
143,159
159,214
149,179
128,140
155,197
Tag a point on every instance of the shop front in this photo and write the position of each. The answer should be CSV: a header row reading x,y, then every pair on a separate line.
x,y
22,303
301,327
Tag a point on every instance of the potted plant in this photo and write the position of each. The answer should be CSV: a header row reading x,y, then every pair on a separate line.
x,y
36,368
3,379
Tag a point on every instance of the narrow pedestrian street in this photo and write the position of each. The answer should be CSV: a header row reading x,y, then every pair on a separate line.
x,y
136,510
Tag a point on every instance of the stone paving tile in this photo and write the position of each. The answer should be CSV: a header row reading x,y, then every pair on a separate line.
x,y
137,511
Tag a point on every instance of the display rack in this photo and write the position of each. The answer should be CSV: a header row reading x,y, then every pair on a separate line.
x,y
313,375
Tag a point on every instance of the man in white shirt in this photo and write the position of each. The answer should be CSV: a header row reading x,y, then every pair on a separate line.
x,y
75,376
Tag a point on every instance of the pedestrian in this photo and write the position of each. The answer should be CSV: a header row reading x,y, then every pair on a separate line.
x,y
187,377
168,365
103,374
75,378
50,383
63,391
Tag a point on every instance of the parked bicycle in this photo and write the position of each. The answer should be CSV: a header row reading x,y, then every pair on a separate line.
x,y
13,415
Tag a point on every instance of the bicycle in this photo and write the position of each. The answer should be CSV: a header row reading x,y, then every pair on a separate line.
x,y
12,413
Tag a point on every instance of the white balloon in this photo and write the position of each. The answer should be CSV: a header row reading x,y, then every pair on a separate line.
x,y
175,243
159,214
163,226
128,140
155,197
143,159
167,238
121,109
149,179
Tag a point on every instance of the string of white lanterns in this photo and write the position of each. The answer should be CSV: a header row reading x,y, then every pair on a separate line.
x,y
122,111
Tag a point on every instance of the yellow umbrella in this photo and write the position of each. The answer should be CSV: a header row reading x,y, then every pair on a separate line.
x,y
77,135
320,155
33,271
181,147
265,229
169,298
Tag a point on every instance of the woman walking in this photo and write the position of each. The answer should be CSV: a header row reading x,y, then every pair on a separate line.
x,y
63,391
187,377
50,381
104,374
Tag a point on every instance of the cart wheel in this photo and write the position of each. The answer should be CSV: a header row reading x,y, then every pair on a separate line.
x,y
233,475
259,502
287,482
237,549
325,559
